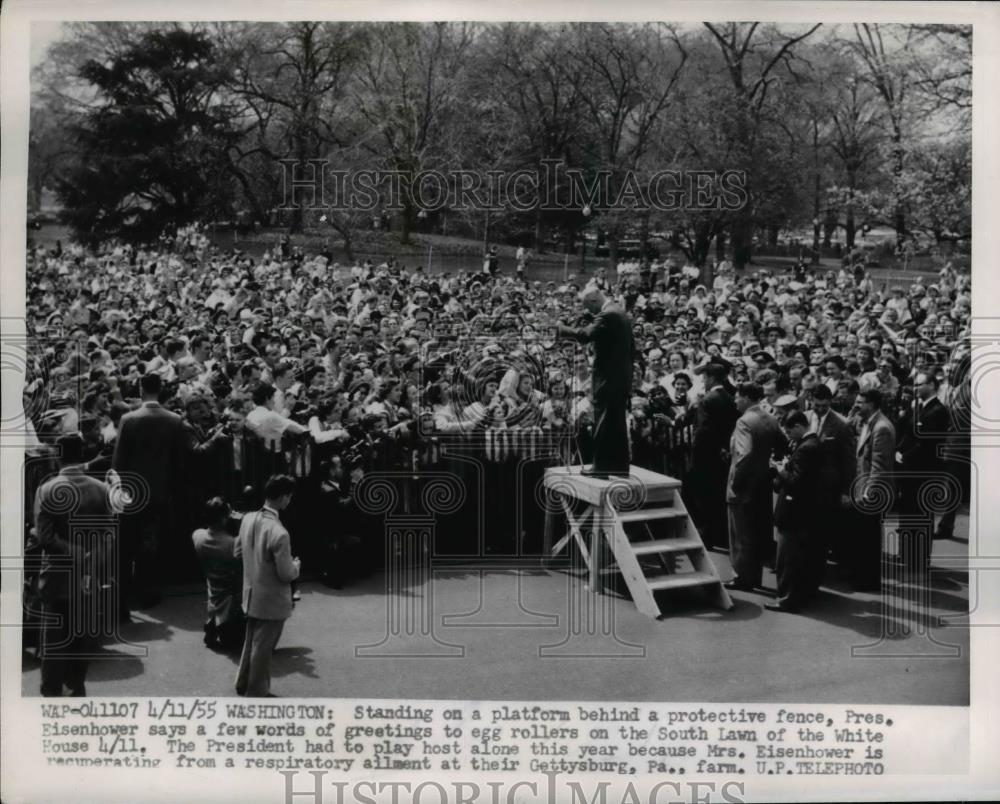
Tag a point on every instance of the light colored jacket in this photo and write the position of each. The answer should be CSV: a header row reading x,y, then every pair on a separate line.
x,y
268,569
876,452
754,440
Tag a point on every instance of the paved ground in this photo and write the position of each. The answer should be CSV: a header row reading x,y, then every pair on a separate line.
x,y
487,646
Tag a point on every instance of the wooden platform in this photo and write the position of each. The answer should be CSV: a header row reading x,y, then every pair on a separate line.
x,y
644,522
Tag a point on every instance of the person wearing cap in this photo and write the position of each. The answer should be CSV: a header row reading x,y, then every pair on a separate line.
x,y
784,404
74,562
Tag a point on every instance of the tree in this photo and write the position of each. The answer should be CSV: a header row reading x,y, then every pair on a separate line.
x,y
529,76
856,141
753,57
938,189
408,97
943,73
630,77
152,147
884,51
294,79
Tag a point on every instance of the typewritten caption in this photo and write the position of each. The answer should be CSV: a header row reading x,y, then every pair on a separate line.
x,y
362,737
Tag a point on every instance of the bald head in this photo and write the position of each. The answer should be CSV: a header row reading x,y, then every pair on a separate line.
x,y
592,298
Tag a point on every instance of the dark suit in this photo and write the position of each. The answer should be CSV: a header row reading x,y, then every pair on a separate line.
x,y
837,438
919,444
705,490
151,446
803,502
75,531
748,493
611,385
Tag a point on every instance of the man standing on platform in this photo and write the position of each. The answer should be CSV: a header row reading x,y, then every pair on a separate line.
x,y
748,492
611,383
716,416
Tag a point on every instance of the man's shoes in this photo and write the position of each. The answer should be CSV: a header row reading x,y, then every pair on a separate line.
x,y
739,586
296,595
781,607
77,692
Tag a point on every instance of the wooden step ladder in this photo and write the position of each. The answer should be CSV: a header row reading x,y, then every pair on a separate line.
x,y
644,522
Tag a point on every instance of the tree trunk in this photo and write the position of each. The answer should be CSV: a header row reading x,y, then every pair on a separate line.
x,y
643,235
898,157
816,198
850,227
720,246
829,227
539,231
406,222
699,253
742,242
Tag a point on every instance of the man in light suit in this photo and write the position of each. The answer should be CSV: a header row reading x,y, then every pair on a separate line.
x,y
837,439
72,568
151,446
748,490
611,385
876,446
268,571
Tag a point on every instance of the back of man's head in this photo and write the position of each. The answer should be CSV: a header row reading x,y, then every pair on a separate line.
x,y
751,391
262,393
715,373
278,486
151,385
70,449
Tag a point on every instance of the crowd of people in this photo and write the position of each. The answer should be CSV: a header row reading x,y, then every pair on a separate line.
x,y
204,372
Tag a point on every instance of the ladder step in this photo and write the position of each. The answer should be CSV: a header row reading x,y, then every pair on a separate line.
x,y
667,545
681,580
642,514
